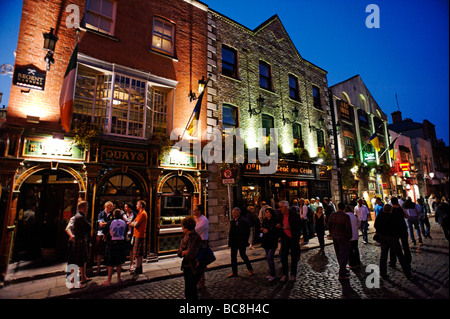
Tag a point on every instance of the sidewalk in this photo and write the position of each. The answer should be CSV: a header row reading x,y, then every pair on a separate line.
x,y
54,285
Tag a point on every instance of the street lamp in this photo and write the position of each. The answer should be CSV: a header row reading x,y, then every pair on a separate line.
x,y
50,40
201,87
258,109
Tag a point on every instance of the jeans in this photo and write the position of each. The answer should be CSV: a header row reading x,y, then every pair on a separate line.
x,y
342,249
320,237
406,252
422,223
304,228
414,221
289,244
242,253
353,259
364,227
392,243
270,253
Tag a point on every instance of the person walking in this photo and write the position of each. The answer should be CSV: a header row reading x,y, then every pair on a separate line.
x,y
190,245
442,212
289,224
354,260
340,229
115,252
78,253
403,233
140,228
390,226
201,228
424,222
270,234
238,241
319,226
361,211
414,211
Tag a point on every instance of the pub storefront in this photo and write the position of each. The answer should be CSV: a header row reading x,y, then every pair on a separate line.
x,y
291,181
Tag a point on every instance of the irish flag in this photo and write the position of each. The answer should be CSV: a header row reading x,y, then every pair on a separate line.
x,y
67,92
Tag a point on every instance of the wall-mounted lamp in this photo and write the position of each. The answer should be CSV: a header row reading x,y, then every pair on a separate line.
x,y
259,107
201,87
294,113
50,40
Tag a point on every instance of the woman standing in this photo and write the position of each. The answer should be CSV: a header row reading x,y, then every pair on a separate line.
x,y
270,234
319,226
189,247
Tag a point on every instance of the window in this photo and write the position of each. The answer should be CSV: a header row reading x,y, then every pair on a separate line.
x,y
349,143
316,97
320,139
297,135
293,88
267,124
100,15
163,36
229,62
230,117
265,80
118,103
363,120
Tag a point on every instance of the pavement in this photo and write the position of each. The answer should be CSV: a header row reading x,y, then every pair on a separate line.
x,y
167,268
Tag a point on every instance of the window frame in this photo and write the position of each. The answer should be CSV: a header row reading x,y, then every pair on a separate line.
x,y
300,143
225,71
266,133
268,78
234,109
101,16
172,38
296,89
317,101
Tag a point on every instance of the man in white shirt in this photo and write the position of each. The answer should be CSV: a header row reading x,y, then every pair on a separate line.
x,y
353,259
361,211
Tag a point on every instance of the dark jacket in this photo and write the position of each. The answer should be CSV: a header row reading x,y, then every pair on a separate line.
x,y
191,242
294,224
339,225
270,239
239,233
81,227
390,224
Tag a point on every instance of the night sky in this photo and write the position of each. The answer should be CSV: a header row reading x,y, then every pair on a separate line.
x,y
407,55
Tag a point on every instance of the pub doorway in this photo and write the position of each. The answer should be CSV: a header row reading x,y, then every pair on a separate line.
x,y
47,200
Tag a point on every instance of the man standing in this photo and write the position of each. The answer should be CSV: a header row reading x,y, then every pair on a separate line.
x,y
201,228
303,213
340,229
378,206
140,228
238,240
100,244
289,222
361,211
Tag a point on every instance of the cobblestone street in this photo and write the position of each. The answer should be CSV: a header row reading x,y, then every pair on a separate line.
x,y
316,279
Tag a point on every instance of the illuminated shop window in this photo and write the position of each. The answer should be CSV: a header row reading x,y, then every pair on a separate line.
x,y
163,36
100,15
175,201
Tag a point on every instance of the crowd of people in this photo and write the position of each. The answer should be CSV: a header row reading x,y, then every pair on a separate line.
x,y
282,227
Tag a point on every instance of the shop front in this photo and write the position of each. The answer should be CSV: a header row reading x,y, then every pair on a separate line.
x,y
291,181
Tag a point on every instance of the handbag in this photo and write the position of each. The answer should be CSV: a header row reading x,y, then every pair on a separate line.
x,y
205,256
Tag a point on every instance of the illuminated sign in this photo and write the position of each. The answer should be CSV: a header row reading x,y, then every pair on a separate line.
x,y
51,148
175,158
124,156
369,157
29,76
404,167
303,170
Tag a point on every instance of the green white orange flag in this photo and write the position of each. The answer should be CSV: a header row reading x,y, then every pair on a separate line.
x,y
67,92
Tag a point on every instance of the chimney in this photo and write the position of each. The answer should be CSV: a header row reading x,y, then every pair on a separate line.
x,y
396,117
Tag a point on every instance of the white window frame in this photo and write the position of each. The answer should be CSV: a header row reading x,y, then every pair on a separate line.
x,y
100,16
172,38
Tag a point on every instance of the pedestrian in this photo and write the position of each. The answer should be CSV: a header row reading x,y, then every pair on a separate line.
x,y
289,224
403,233
319,226
78,253
189,247
140,227
413,210
310,223
302,210
100,244
262,211
115,252
250,217
270,234
432,203
378,208
362,212
354,260
202,229
424,222
327,208
442,212
390,227
341,231
129,216
238,241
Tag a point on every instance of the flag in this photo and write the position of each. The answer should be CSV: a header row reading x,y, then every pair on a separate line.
x,y
374,141
192,126
67,91
392,153
390,148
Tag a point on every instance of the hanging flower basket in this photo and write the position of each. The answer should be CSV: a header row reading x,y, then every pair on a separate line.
x,y
85,133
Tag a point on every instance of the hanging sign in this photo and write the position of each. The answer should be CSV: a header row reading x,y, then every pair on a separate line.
x,y
30,77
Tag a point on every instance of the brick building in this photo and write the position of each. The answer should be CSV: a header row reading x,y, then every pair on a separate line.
x,y
260,80
138,62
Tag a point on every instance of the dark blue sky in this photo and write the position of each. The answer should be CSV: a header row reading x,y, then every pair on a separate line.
x,y
408,55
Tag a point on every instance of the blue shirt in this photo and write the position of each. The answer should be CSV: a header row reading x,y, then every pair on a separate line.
x,y
378,209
